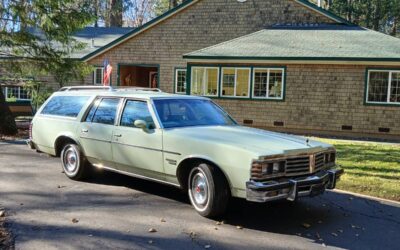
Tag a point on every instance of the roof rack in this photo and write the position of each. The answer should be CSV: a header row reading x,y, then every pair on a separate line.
x,y
109,88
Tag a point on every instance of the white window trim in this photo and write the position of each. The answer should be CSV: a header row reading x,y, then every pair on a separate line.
x,y
389,86
18,97
267,92
235,83
204,79
95,75
176,81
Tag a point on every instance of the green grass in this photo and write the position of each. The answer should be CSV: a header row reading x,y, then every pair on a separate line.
x,y
370,168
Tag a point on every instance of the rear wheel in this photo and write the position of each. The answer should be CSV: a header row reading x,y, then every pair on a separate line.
x,y
74,163
208,190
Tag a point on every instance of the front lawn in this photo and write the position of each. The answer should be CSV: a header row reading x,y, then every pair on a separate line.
x,y
370,168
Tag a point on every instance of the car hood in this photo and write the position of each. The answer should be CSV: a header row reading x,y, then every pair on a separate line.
x,y
260,142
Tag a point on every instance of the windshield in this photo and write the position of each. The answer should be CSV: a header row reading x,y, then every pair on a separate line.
x,y
190,112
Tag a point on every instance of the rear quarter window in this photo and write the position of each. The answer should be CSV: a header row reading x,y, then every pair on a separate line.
x,y
68,106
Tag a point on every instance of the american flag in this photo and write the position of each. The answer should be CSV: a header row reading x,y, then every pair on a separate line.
x,y
107,72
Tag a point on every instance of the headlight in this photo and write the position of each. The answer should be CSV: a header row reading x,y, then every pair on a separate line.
x,y
267,169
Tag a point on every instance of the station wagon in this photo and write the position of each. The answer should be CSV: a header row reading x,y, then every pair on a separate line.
x,y
185,141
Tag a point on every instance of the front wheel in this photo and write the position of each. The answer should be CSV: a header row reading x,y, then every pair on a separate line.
x,y
73,162
208,190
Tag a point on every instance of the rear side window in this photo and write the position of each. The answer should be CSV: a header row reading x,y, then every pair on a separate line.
x,y
69,106
104,112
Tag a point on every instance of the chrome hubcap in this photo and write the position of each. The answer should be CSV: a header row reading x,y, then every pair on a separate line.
x,y
200,189
70,160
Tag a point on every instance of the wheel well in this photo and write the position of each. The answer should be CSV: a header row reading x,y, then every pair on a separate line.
x,y
186,166
61,142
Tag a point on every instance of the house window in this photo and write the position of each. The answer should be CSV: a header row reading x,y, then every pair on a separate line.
x,y
98,76
268,83
205,81
16,93
235,82
383,86
180,81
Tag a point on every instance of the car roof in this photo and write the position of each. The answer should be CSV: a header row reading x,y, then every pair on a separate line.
x,y
125,93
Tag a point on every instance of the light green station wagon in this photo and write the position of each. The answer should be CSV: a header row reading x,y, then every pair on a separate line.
x,y
185,141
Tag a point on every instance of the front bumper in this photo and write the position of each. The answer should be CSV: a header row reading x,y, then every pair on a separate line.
x,y
291,189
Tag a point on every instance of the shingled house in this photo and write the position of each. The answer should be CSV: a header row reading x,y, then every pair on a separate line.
x,y
283,65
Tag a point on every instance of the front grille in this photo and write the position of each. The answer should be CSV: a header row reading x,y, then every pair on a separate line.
x,y
298,165
319,161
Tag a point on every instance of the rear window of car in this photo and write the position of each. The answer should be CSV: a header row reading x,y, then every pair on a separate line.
x,y
68,106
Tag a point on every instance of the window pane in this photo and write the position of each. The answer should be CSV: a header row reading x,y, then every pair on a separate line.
x,y
395,88
12,92
90,115
99,76
211,81
23,94
65,105
242,82
228,82
260,82
136,110
181,81
106,111
275,83
197,81
378,86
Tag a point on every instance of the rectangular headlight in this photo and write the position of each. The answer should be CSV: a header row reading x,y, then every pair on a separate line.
x,y
266,169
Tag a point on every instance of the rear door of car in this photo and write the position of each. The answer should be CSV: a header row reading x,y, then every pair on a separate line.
x,y
96,130
136,150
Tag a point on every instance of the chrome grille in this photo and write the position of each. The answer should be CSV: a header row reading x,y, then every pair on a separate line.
x,y
298,165
319,161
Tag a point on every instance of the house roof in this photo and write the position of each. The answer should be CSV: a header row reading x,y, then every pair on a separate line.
x,y
306,43
93,37
101,36
183,6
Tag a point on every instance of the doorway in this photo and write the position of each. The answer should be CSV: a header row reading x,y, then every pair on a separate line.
x,y
143,76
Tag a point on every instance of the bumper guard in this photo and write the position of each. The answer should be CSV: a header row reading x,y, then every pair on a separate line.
x,y
291,189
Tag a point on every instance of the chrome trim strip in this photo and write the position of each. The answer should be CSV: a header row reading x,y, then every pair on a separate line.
x,y
152,149
136,175
84,137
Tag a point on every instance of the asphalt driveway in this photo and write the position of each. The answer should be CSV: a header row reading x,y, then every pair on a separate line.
x,y
45,210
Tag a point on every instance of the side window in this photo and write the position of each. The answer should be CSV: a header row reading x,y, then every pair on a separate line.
x,y
105,111
68,106
136,110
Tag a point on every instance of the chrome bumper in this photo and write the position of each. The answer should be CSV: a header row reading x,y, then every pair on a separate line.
x,y
291,189
31,144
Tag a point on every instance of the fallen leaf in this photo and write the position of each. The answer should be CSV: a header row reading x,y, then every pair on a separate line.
x,y
192,234
218,223
215,228
163,220
306,225
323,244
207,246
239,227
75,220
152,230
334,234
21,204
2,213
59,186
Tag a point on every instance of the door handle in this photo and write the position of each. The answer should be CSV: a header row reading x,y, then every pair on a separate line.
x,y
118,135
84,130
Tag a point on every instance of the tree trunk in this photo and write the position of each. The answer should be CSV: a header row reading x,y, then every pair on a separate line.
x,y
393,32
116,9
7,121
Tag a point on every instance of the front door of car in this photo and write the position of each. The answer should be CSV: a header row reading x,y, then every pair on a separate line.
x,y
96,131
138,150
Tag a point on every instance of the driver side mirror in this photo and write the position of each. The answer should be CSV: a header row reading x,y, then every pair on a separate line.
x,y
141,124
